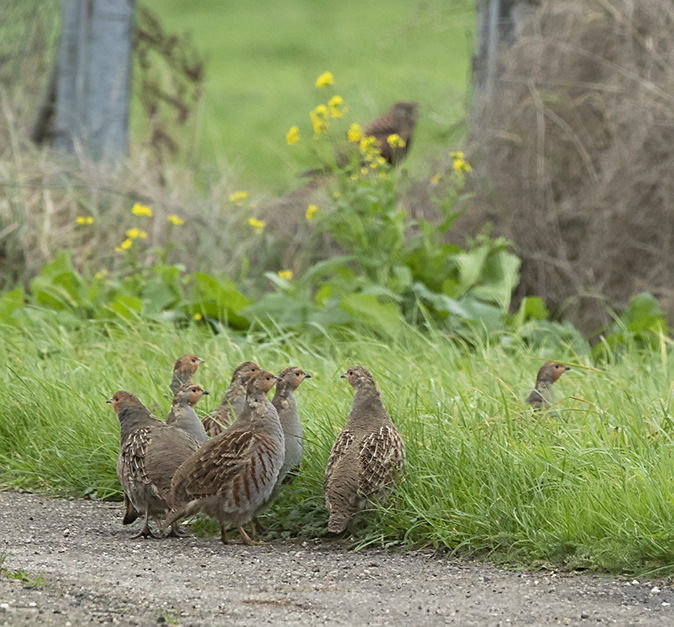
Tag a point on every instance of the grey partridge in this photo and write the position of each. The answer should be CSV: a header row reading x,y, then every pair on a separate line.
x,y
150,452
182,414
542,396
367,458
183,371
286,407
233,402
400,120
233,474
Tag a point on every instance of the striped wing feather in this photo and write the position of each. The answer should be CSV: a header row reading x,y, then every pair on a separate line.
x,y
381,460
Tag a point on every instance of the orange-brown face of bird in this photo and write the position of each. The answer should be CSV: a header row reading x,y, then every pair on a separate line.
x,y
245,371
262,381
120,400
195,392
187,363
357,376
293,377
550,371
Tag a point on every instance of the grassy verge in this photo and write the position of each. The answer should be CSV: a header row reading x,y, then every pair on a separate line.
x,y
590,488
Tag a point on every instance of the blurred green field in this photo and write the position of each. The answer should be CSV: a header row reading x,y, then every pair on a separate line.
x,y
263,58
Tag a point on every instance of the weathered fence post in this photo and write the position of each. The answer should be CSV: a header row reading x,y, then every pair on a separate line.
x,y
94,76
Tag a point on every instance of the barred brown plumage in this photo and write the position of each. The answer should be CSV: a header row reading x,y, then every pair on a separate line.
x,y
367,458
150,452
232,475
542,396
233,402
183,371
400,120
182,414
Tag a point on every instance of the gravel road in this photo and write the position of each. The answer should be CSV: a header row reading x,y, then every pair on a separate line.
x,y
94,573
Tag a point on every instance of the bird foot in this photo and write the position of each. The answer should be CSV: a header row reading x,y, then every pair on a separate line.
x,y
177,531
246,539
145,532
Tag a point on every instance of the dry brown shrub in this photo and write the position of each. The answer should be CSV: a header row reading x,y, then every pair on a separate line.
x,y
574,156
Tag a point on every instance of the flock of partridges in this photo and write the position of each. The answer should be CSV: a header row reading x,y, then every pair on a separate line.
x,y
232,464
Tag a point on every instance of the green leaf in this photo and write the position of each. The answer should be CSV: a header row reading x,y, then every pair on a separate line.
x,y
10,303
219,300
127,306
366,309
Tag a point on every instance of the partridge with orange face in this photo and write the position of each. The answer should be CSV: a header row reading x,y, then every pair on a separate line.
x,y
542,396
150,452
183,371
233,402
182,414
368,457
232,475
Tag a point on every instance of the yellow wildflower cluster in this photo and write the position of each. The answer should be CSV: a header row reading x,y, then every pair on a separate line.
x,y
125,245
354,133
436,179
175,220
258,225
141,210
325,79
136,233
102,274
395,141
336,109
293,135
286,275
460,164
319,119
238,197
311,212
85,220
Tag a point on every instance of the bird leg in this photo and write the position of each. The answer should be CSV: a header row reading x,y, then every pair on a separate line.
x,y
177,531
145,532
257,527
246,540
223,534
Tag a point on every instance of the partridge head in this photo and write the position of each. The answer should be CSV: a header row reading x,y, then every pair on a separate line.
x,y
542,396
183,371
183,415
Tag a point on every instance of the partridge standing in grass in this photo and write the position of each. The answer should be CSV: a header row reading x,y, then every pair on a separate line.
x,y
232,475
233,403
183,371
182,414
367,458
542,397
286,407
150,452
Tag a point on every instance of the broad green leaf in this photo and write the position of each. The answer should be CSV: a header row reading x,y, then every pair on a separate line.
x,y
366,309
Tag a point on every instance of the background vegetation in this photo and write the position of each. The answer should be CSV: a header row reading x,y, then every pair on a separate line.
x,y
109,275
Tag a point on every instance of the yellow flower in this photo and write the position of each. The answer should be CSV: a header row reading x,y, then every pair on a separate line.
x,y
135,233
395,141
335,103
354,133
457,155
367,143
125,245
175,220
354,177
238,197
311,212
198,316
364,171
286,275
85,220
258,225
382,175
436,179
141,210
325,79
319,118
102,274
293,135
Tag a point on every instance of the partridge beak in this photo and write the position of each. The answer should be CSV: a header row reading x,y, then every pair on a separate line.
x,y
343,376
277,378
307,376
109,400
205,392
201,361
567,368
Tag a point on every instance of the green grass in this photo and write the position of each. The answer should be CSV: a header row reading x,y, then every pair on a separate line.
x,y
263,58
589,488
